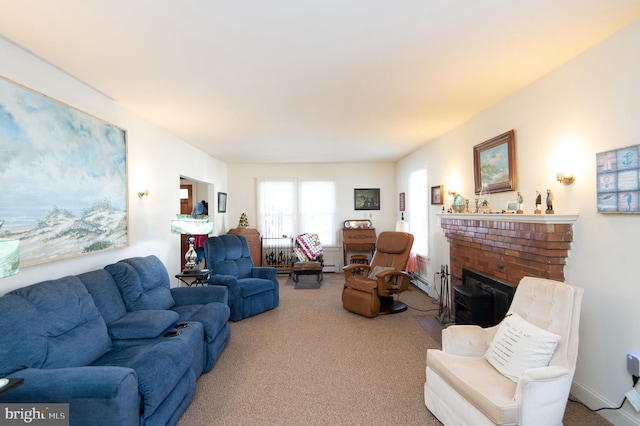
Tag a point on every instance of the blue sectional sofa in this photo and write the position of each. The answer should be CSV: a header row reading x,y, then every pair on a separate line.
x,y
97,341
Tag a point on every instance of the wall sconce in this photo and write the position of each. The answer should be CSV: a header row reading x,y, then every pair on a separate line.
x,y
452,193
144,193
565,179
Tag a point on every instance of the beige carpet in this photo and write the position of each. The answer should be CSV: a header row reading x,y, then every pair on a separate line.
x,y
310,362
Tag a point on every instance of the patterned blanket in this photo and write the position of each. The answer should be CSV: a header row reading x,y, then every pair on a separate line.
x,y
307,247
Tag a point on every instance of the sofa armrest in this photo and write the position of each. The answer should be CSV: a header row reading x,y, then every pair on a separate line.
x,y
231,283
200,295
391,282
542,395
226,280
349,269
466,340
265,272
143,324
96,395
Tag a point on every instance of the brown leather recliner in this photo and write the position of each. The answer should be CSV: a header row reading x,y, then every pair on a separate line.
x,y
371,293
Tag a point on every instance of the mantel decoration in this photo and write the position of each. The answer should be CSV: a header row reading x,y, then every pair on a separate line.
x,y
244,222
64,178
618,175
366,199
494,164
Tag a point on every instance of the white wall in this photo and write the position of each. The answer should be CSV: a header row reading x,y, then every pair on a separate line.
x,y
348,176
156,160
588,105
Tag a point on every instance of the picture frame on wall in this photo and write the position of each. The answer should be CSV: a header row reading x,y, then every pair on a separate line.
x,y
494,164
437,193
222,202
402,201
366,199
618,180
65,191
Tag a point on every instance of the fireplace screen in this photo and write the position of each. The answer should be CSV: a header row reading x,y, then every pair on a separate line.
x,y
501,294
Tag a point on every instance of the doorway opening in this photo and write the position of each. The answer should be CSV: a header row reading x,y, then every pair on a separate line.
x,y
193,192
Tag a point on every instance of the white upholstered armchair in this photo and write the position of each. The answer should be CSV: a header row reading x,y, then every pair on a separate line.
x,y
499,375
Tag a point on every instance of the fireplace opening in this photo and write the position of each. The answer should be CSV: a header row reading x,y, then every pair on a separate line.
x,y
481,300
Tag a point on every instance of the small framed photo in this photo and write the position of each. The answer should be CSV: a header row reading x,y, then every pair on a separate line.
x,y
222,202
437,195
366,199
402,201
512,207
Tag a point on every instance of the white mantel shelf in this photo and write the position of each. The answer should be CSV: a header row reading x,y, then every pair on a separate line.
x,y
569,217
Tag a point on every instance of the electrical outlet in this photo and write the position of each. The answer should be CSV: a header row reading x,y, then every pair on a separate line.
x,y
634,398
633,365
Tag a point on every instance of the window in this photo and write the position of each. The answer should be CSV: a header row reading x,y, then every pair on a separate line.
x,y
289,207
417,204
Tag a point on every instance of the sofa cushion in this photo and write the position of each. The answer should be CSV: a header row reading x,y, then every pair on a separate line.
x,y
466,375
253,286
63,326
171,361
143,283
105,293
519,345
144,324
213,316
362,283
229,255
20,347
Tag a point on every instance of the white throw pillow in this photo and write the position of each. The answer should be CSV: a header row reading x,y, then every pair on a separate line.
x,y
519,345
377,269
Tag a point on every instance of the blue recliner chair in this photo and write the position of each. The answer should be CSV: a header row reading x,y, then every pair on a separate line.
x,y
252,290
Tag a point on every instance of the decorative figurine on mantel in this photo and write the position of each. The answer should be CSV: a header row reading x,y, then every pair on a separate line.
x,y
244,222
520,203
549,202
538,203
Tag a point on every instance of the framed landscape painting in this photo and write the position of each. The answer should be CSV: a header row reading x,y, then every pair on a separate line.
x,y
494,164
64,180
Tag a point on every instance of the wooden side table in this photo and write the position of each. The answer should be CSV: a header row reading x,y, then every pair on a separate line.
x,y
199,278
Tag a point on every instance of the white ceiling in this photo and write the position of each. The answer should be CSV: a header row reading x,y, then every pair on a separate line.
x,y
309,81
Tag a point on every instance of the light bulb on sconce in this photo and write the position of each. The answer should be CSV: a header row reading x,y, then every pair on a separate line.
x,y
144,193
566,179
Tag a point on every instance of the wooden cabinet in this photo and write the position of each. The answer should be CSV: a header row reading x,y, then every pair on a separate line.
x,y
253,240
357,235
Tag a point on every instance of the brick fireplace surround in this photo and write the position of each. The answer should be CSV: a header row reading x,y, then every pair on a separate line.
x,y
509,247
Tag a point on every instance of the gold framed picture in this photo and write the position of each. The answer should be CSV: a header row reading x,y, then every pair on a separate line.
x,y
437,193
494,164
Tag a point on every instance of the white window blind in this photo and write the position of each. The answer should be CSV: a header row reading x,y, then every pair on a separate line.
x,y
276,207
289,207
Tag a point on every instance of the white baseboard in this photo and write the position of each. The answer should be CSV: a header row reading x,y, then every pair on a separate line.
x,y
626,416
